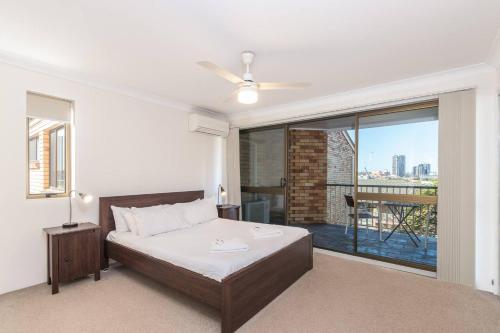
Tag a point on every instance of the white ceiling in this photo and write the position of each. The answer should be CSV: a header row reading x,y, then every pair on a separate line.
x,y
151,46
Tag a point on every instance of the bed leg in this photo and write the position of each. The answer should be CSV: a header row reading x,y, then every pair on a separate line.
x,y
104,254
104,263
311,252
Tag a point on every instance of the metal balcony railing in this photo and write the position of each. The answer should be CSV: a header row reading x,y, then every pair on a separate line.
x,y
423,219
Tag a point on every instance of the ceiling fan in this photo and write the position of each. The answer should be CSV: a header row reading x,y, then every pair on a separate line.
x,y
248,89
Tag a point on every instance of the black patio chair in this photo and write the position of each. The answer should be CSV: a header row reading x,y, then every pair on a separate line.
x,y
363,212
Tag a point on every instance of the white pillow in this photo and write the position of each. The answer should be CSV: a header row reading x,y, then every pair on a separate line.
x,y
131,222
184,205
200,211
120,223
157,220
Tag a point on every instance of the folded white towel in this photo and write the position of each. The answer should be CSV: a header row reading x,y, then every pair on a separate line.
x,y
266,232
228,245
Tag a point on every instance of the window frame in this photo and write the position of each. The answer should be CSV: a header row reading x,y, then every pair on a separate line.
x,y
55,131
68,166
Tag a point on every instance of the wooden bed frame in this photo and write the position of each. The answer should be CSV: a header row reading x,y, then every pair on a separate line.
x,y
239,296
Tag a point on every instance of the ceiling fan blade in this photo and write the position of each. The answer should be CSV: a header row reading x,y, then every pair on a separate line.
x,y
225,74
282,85
231,98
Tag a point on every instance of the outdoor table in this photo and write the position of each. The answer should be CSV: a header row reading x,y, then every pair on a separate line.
x,y
401,210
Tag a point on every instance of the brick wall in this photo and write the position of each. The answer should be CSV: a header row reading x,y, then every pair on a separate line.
x,y
340,158
307,174
315,158
261,158
340,171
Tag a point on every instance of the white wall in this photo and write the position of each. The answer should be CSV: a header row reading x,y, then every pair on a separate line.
x,y
123,146
497,58
481,77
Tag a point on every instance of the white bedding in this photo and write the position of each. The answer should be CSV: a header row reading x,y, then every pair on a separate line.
x,y
190,248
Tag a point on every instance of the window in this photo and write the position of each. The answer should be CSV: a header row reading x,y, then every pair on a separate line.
x,y
33,149
48,131
57,154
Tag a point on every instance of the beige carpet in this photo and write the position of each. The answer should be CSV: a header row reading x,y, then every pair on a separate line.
x,y
337,296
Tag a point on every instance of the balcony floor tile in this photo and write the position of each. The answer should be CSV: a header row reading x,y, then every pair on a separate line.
x,y
399,246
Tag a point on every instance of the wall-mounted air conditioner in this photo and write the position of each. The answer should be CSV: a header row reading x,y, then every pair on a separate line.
x,y
208,125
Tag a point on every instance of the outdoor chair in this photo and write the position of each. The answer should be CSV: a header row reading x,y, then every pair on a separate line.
x,y
363,212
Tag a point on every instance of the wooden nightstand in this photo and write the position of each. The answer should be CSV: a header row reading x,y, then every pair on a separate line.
x,y
231,212
72,253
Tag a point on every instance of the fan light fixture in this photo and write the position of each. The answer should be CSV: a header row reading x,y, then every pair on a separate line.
x,y
248,89
248,94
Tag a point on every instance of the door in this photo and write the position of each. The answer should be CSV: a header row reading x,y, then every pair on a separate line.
x,y
396,185
263,172
77,255
320,180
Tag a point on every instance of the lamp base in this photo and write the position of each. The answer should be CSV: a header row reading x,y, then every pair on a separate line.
x,y
70,225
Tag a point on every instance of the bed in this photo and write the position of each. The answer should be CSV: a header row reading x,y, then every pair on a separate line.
x,y
238,293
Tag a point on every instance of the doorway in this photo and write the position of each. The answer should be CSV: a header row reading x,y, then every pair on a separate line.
x,y
263,169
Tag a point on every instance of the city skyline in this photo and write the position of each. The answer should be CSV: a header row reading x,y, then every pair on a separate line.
x,y
417,141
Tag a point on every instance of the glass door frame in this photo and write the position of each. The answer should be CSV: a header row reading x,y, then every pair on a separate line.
x,y
357,195
283,189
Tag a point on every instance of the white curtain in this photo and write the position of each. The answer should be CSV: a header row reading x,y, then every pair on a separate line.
x,y
233,167
456,200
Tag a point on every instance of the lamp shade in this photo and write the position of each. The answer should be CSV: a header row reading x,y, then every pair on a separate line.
x,y
86,198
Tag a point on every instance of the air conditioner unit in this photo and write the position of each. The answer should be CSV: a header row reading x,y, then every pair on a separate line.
x,y
208,125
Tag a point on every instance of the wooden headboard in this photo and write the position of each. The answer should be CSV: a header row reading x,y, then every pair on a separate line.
x,y
107,222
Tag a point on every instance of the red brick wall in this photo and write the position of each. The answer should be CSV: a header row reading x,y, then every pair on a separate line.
x,y
307,175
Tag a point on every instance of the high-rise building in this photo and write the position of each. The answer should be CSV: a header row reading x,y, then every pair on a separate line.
x,y
424,169
399,165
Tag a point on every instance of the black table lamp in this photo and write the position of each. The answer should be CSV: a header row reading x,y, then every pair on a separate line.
x,y
86,198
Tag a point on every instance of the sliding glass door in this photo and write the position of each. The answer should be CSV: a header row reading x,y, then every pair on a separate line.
x,y
396,185
364,184
263,174
321,180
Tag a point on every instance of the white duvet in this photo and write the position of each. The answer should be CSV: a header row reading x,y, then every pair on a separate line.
x,y
190,248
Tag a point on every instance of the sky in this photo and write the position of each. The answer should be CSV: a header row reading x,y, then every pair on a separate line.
x,y
417,141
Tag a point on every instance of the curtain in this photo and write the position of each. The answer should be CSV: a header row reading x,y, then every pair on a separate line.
x,y
456,200
233,167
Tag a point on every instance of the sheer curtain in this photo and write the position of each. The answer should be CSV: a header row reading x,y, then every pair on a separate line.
x,y
233,167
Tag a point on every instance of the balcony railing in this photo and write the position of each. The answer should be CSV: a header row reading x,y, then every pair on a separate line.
x,y
423,219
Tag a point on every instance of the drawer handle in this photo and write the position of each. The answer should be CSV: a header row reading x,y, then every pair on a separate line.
x,y
67,259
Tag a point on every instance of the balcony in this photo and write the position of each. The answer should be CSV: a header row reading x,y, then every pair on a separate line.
x,y
414,242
